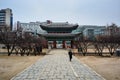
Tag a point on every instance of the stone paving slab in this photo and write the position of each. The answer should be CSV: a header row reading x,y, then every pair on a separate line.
x,y
56,66
32,72
84,72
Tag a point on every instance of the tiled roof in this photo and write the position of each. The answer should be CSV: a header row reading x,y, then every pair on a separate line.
x,y
60,24
59,34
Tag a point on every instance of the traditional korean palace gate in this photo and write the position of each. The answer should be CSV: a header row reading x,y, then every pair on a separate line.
x,y
59,34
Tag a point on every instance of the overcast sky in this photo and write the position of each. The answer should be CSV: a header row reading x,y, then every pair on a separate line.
x,y
83,12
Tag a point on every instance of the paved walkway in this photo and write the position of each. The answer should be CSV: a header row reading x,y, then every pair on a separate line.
x,y
56,66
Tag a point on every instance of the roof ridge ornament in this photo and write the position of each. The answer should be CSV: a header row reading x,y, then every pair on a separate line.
x,y
49,21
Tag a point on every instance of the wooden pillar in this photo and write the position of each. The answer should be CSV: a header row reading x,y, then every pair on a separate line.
x,y
63,44
71,44
54,43
46,44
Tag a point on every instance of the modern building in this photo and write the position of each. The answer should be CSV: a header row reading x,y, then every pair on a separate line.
x,y
112,30
33,27
6,18
90,31
59,34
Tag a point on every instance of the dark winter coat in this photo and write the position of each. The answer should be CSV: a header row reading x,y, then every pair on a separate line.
x,y
70,54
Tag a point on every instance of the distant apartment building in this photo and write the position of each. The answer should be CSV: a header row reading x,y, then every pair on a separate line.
x,y
90,31
33,27
6,18
112,30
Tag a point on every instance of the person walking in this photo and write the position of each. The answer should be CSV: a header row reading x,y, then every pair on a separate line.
x,y
70,54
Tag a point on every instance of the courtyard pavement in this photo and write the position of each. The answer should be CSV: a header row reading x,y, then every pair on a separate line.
x,y
56,66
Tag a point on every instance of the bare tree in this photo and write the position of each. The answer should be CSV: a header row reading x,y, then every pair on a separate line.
x,y
98,44
112,38
82,44
29,44
8,38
